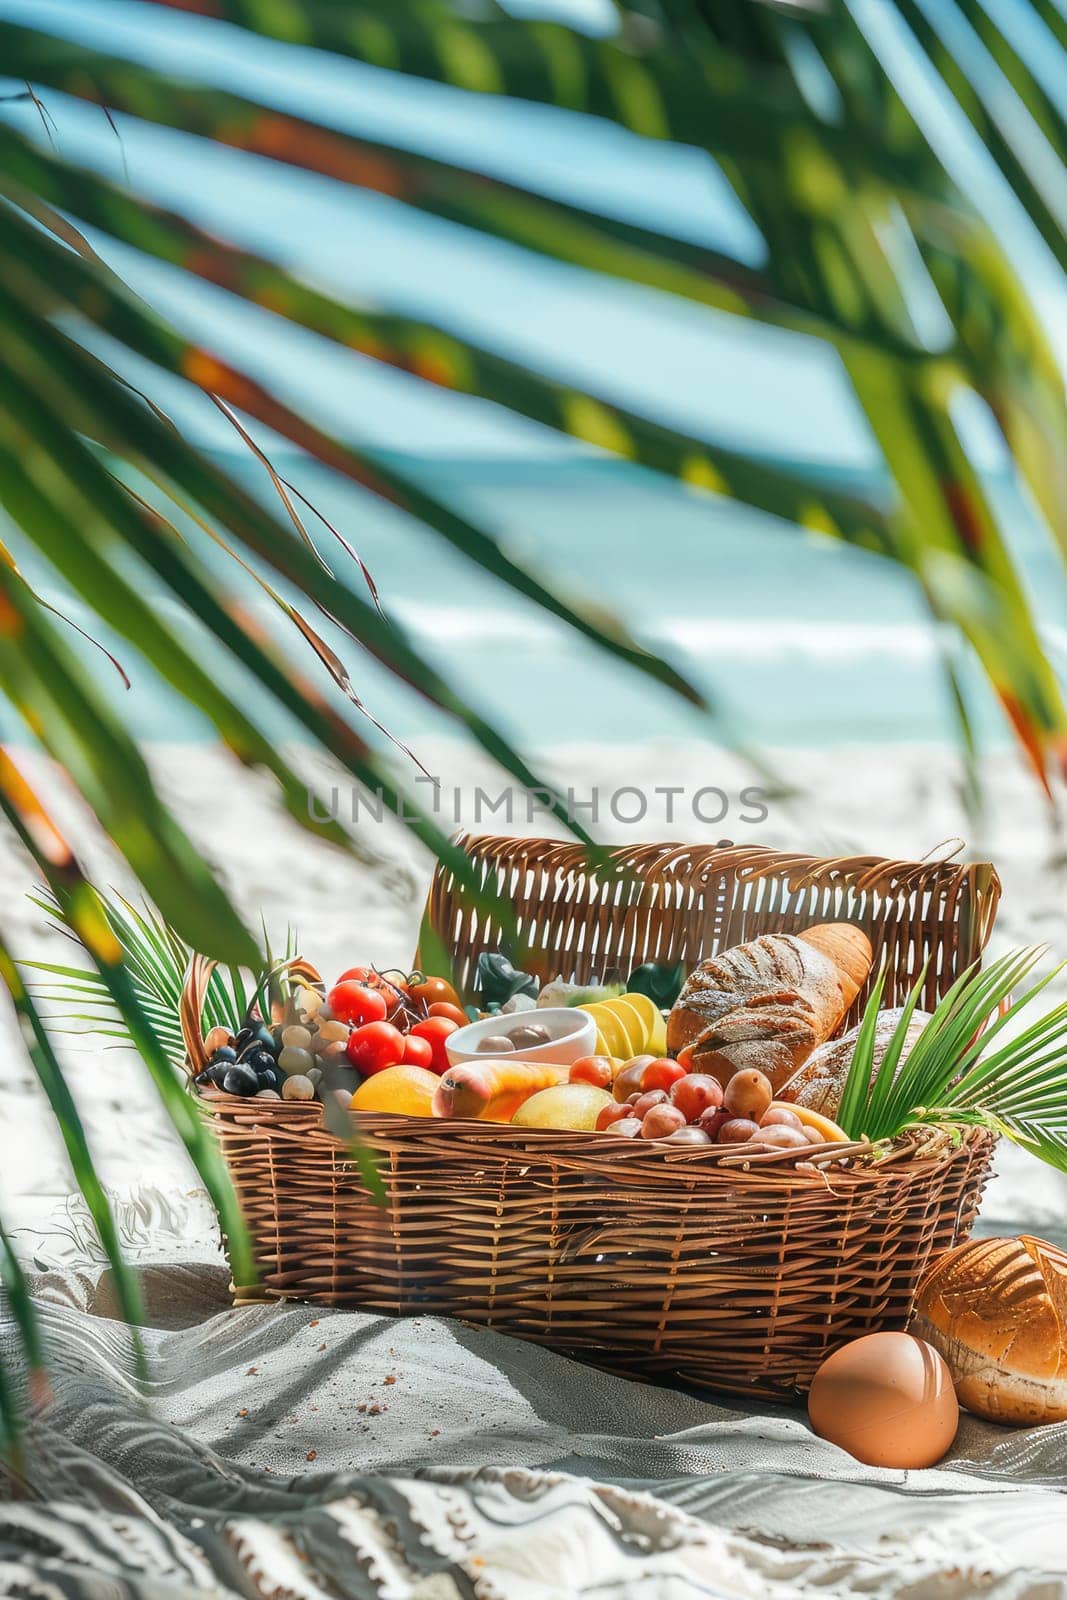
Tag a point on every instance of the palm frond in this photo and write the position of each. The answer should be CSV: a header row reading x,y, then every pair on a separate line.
x,y
436,354
830,204
953,1074
43,681
50,1076
15,1295
82,911
157,960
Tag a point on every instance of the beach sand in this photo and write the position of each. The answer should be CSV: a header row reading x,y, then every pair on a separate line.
x,y
887,800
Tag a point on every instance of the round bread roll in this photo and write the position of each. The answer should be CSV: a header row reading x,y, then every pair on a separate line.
x,y
996,1309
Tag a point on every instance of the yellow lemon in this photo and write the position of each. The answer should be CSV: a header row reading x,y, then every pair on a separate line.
x,y
408,1090
568,1105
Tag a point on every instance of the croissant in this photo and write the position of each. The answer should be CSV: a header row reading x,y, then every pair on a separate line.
x,y
768,1003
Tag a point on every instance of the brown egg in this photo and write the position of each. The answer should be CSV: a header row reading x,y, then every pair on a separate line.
x,y
887,1399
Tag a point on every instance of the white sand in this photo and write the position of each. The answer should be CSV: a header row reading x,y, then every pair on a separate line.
x,y
889,800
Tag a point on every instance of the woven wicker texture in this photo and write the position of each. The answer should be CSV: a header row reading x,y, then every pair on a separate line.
x,y
669,902
734,1271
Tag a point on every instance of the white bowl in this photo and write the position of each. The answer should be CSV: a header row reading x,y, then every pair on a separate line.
x,y
572,1033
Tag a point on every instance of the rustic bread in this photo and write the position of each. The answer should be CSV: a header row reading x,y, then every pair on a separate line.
x,y
820,1081
997,1311
768,1003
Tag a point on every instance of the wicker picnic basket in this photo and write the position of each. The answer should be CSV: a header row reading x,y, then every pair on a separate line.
x,y
734,1271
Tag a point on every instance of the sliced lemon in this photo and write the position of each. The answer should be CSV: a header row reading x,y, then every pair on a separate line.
x,y
645,1007
613,1041
634,1023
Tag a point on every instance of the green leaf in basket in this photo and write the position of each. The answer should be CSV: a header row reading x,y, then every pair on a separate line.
x,y
156,958
659,980
852,1111
496,980
883,1083
956,1074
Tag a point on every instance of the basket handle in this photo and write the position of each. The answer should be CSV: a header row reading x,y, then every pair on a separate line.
x,y
194,994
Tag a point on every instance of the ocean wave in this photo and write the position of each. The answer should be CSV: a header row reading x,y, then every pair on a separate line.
x,y
696,636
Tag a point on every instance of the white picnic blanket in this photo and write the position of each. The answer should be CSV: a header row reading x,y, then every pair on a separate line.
x,y
294,1452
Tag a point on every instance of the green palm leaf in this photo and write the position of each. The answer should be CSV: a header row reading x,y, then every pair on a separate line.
x,y
954,1072
50,1076
157,960
80,385
42,680
987,603
15,1296
82,911
437,355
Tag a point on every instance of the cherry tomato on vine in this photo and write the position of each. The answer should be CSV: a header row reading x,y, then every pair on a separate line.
x,y
598,1070
445,1008
391,985
431,990
358,975
661,1073
375,1046
417,1052
357,1002
436,1030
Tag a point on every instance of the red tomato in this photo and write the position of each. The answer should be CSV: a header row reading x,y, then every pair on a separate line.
x,y
661,1073
430,990
356,1002
436,1030
597,1070
445,1008
696,1093
610,1114
417,1052
375,1046
392,993
358,975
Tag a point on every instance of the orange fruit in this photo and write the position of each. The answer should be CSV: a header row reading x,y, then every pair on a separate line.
x,y
405,1089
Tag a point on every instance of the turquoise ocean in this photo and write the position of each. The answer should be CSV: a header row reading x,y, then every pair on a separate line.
x,y
797,639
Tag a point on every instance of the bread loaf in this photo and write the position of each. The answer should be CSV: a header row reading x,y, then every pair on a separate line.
x,y
768,1003
997,1311
820,1082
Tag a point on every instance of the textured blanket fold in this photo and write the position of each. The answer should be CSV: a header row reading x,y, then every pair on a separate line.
x,y
294,1452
